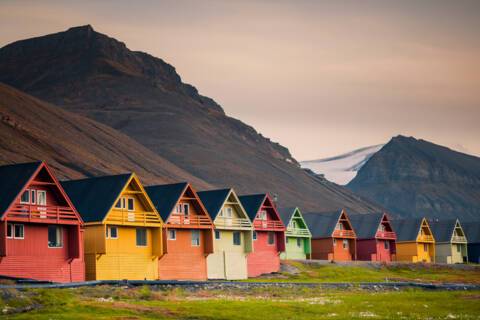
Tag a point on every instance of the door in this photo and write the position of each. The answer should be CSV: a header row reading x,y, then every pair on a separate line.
x,y
235,266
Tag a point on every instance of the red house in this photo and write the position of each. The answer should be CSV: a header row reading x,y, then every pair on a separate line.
x,y
375,237
333,237
268,234
41,233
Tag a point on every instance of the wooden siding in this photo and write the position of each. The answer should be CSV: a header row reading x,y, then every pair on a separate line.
x,y
414,252
265,258
293,251
32,258
374,250
122,259
448,253
183,261
229,261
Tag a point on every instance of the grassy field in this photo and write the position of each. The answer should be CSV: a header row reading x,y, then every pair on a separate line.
x,y
144,303
315,272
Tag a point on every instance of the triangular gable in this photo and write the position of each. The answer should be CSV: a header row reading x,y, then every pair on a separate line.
x,y
343,217
133,185
233,198
386,220
17,178
456,226
424,223
192,195
297,214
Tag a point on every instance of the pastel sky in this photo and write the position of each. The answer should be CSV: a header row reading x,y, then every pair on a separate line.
x,y
320,77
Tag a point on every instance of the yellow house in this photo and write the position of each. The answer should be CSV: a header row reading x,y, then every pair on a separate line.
x,y
415,242
123,230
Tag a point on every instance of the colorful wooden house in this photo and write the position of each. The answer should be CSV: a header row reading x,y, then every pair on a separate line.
x,y
333,237
188,232
297,236
450,241
375,237
41,234
472,232
123,231
268,234
415,242
233,235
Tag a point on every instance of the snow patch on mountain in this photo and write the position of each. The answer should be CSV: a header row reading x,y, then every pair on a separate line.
x,y
343,168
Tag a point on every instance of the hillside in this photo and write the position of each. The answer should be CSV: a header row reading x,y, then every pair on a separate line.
x,y
414,177
343,168
142,96
73,145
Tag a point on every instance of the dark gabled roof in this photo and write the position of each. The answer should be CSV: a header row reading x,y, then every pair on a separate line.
x,y
442,229
366,225
322,224
166,196
286,214
213,200
407,229
94,197
13,179
472,231
252,203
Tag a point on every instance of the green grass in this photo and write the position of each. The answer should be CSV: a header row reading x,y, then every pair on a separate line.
x,y
265,303
376,273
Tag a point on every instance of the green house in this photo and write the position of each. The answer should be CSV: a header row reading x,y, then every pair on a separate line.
x,y
297,236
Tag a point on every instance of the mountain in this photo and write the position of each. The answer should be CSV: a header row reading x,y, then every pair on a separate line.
x,y
343,168
73,145
414,178
91,74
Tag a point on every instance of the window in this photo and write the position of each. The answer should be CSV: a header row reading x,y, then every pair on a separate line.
x,y
131,204
217,235
262,215
55,237
41,197
386,245
229,212
334,242
18,231
339,226
237,239
286,240
195,238
186,209
425,247
33,196
221,213
118,205
112,232
141,237
25,198
172,234
294,224
9,230
299,242
459,248
178,208
254,235
345,244
271,238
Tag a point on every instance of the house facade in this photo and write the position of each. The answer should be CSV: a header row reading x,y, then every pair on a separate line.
x,y
123,230
472,232
41,232
297,235
233,235
333,237
268,234
450,241
415,241
375,237
188,232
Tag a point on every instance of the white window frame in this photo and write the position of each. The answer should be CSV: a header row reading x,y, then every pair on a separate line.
x,y
118,204
299,242
109,232
146,237
262,215
10,226
197,243
254,235
239,238
128,204
23,231
61,237
44,193
217,232
186,209
229,212
27,191
33,196
334,242
345,244
172,232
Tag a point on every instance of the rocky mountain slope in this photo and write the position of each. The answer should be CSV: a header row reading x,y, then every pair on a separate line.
x,y
73,145
343,168
417,178
91,74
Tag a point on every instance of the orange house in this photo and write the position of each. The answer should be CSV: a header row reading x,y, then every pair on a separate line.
x,y
333,237
187,230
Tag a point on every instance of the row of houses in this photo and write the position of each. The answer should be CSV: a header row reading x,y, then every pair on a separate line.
x,y
112,227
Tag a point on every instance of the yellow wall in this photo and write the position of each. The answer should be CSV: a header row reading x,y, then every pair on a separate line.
x,y
414,252
123,258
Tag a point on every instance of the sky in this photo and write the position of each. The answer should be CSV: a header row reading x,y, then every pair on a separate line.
x,y
319,77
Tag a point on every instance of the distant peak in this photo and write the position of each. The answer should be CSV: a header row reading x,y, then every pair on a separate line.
x,y
87,28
